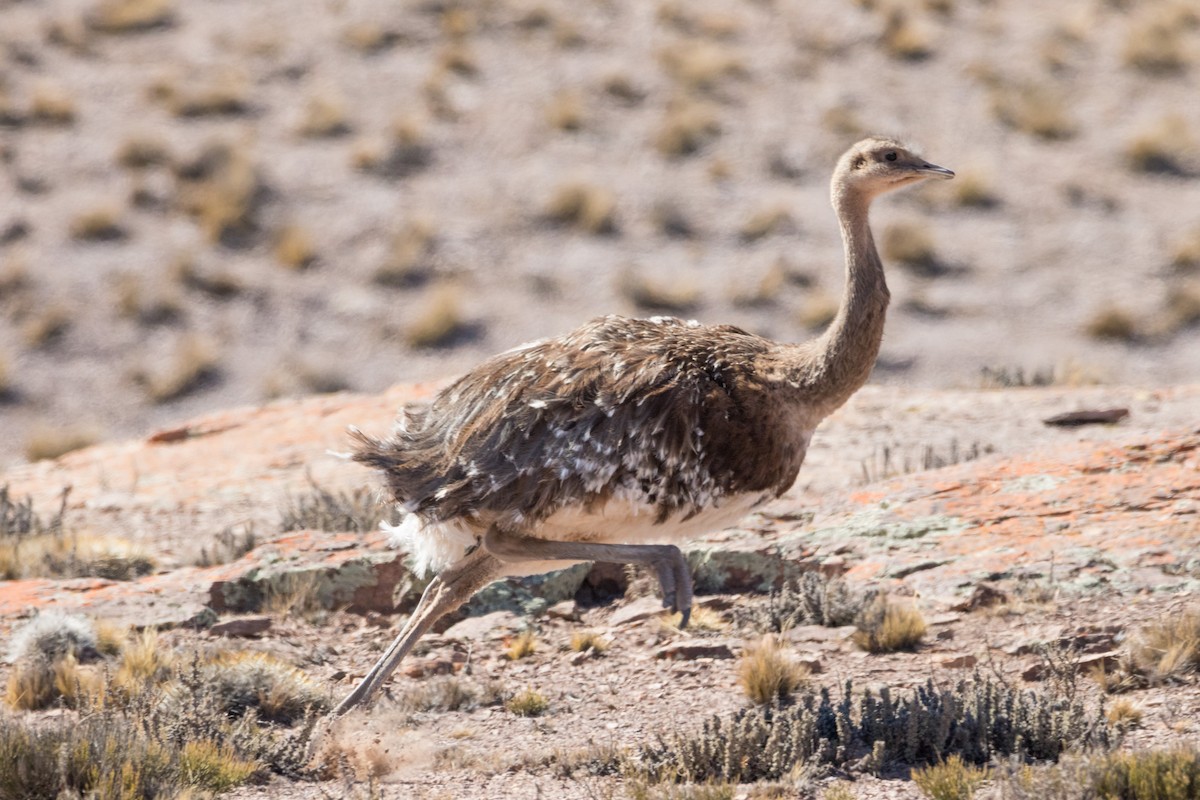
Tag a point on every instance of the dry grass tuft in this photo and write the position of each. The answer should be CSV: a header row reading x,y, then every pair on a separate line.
x,y
905,37
527,703
221,188
226,93
1166,148
138,152
566,111
212,767
621,87
521,646
653,294
324,117
1036,109
369,37
51,104
973,189
159,303
1123,715
294,247
1157,42
687,127
1185,254
700,65
1113,323
767,674
45,441
885,627
1171,648
910,244
770,219
817,310
441,319
403,152
47,326
589,208
100,224
193,364
277,691
130,16
1182,307
950,780
1147,775
585,641
407,262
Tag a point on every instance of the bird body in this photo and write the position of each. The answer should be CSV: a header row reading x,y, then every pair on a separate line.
x,y
623,436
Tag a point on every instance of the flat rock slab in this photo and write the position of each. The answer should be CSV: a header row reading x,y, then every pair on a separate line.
x,y
689,649
241,627
486,627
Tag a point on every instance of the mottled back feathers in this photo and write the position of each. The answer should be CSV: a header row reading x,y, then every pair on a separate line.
x,y
659,412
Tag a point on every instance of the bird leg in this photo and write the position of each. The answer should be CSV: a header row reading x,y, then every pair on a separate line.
x,y
451,588
667,560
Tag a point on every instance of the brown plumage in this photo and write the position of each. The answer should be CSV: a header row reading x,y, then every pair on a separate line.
x,y
590,445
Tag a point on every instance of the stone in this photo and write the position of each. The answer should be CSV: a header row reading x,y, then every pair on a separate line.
x,y
566,610
688,649
984,595
957,661
241,627
487,627
636,611
818,633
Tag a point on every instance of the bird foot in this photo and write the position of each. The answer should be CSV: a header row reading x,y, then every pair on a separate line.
x,y
676,581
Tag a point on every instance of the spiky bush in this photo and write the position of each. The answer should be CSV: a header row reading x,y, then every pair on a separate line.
x,y
53,635
814,599
277,691
977,720
322,510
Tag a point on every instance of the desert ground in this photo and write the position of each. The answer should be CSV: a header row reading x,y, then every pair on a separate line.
x,y
207,205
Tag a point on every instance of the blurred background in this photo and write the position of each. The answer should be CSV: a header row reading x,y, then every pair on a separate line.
x,y
221,203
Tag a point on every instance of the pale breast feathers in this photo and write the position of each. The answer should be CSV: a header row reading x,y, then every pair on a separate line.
x,y
661,411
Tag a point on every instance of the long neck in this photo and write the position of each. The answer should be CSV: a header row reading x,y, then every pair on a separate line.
x,y
841,360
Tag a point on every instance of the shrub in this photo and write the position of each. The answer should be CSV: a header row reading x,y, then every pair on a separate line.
x,y
911,245
407,262
687,127
278,692
650,294
977,720
1169,649
324,117
1150,775
1113,323
885,627
1164,148
52,636
813,599
588,208
100,224
129,16
949,780
527,703
294,247
1034,109
521,646
767,674
193,364
585,641
441,320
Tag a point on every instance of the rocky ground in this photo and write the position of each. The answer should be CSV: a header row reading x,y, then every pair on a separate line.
x,y
205,205
1086,534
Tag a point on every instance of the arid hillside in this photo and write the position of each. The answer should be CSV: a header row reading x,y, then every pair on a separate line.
x,y
212,204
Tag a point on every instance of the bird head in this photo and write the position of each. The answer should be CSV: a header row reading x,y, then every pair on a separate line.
x,y
877,165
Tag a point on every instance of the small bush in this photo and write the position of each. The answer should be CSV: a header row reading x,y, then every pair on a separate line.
x,y
977,720
521,646
155,304
1035,109
814,599
700,65
1185,255
100,224
1182,307
885,627
650,294
1165,147
687,127
588,641
949,780
766,221
1149,775
447,693
1156,44
47,326
527,703
767,674
51,104
193,364
583,206
130,16
440,321
407,263
226,93
973,189
294,247
911,245
216,768
52,636
1124,715
139,152
566,111
278,692
904,37
818,310
1169,649
30,685
1113,323
324,117
222,190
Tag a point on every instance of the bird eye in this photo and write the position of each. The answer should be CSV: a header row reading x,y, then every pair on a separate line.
x,y
890,156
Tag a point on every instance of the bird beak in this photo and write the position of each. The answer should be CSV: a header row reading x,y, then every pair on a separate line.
x,y
934,171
